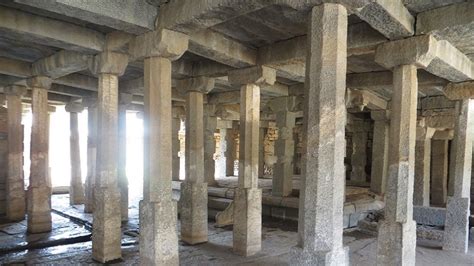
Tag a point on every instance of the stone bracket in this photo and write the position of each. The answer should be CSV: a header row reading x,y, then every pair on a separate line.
x,y
199,84
161,43
258,75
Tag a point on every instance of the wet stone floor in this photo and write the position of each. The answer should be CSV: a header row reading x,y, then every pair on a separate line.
x,y
70,243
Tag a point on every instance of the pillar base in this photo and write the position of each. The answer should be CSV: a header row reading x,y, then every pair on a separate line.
x,y
76,194
39,209
396,243
336,257
158,236
456,229
106,234
247,221
16,204
193,213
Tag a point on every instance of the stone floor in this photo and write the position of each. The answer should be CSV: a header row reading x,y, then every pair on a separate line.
x,y
69,242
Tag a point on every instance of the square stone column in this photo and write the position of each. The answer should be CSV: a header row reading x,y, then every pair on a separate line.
x,y
15,185
421,194
39,190
210,126
106,234
456,228
76,189
397,232
379,151
320,221
261,151
248,197
125,99
230,151
91,104
222,161
439,172
193,201
158,211
360,136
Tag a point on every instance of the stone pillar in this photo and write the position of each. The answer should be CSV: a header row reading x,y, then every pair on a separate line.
x,y
282,183
322,186
230,152
158,211
193,201
91,104
359,151
106,234
379,151
456,228
125,99
248,197
15,185
176,145
439,172
397,232
39,190
421,194
221,162
210,126
76,189
261,151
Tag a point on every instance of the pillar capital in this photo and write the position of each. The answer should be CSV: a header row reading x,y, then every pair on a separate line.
x,y
258,75
159,43
460,91
16,90
178,112
380,115
198,84
419,51
424,133
39,82
109,63
73,107
89,102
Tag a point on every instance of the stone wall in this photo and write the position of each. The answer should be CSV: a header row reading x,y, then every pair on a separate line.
x,y
3,156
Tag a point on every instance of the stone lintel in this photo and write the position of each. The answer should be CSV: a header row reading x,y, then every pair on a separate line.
x,y
441,121
419,51
61,64
274,90
39,82
125,98
160,43
286,104
447,134
258,75
199,84
436,102
74,107
460,91
391,18
224,124
16,90
109,63
365,98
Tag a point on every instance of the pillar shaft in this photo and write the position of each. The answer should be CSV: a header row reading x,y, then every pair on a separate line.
x,y
379,152
421,195
322,190
158,236
91,157
221,162
106,244
210,125
176,125
194,138
230,152
397,232
261,152
76,193
248,198
282,184
359,152
39,190
15,185
456,229
122,161
439,172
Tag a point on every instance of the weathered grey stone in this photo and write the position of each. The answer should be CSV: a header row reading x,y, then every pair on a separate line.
x,y
421,191
91,104
61,64
459,91
163,43
432,216
247,221
76,189
14,186
109,63
397,232
379,151
359,150
320,220
258,75
439,172
193,212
